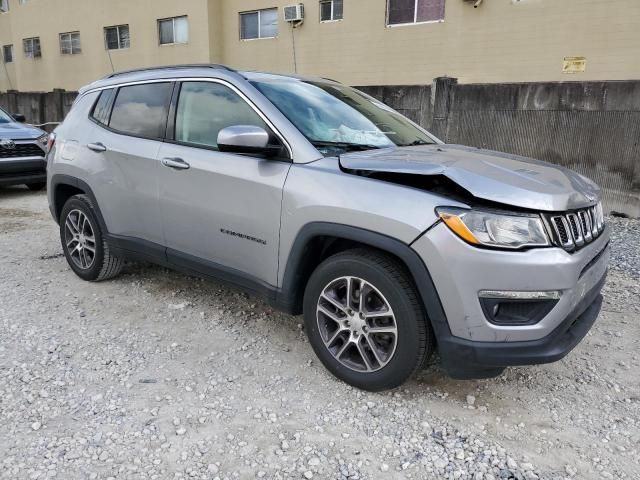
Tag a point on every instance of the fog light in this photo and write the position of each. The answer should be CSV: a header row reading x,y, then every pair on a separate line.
x,y
514,308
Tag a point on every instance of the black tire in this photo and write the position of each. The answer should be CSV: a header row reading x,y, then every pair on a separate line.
x,y
36,187
415,340
105,264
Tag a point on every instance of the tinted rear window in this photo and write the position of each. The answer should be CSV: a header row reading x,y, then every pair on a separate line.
x,y
103,107
141,110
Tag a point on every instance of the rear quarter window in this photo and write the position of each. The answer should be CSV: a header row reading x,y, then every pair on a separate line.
x,y
102,108
141,110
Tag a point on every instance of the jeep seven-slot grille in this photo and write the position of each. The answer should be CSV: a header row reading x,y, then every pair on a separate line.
x,y
20,150
574,230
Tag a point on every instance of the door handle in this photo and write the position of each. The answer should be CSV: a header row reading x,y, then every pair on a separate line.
x,y
97,147
176,163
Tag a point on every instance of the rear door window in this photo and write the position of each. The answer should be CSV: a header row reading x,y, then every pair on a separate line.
x,y
141,110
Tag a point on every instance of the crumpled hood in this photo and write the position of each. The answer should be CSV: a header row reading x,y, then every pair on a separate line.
x,y
18,131
495,176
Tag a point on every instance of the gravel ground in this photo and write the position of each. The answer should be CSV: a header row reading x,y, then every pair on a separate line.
x,y
160,375
625,240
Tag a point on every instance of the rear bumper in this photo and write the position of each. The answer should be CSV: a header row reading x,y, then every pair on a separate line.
x,y
465,359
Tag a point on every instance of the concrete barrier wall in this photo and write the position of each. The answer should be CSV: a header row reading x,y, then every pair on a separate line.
x,y
590,127
39,108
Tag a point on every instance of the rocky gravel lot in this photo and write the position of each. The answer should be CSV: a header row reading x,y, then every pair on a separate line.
x,y
160,375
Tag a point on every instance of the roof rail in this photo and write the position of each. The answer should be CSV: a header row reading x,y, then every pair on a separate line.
x,y
172,67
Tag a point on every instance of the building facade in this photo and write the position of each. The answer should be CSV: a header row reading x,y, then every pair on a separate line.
x,y
49,44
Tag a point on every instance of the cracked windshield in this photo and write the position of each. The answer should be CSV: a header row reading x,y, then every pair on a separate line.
x,y
336,118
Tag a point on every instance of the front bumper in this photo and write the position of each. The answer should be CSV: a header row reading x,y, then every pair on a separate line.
x,y
473,347
19,171
464,359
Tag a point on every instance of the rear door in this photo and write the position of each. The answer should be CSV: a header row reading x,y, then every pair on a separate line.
x,y
128,138
220,210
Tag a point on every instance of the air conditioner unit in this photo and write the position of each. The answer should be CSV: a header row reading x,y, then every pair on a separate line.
x,y
294,13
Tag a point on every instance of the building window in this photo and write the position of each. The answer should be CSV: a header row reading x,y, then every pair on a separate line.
x,y
70,43
402,12
173,30
331,10
117,37
7,53
259,24
4,6
31,47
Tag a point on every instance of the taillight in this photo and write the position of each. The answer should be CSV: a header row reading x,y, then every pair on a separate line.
x,y
51,141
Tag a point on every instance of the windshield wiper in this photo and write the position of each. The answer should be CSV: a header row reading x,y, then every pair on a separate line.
x,y
346,145
417,142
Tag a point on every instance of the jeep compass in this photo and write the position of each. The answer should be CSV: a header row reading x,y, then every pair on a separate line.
x,y
331,204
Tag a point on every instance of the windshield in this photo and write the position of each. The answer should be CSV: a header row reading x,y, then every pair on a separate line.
x,y
336,118
4,117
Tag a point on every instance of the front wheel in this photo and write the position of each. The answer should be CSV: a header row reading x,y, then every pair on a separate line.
x,y
85,248
364,320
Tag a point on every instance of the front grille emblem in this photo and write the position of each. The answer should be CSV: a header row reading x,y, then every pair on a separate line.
x,y
8,144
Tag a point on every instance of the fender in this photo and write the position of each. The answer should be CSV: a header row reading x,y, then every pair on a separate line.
x,y
134,248
290,293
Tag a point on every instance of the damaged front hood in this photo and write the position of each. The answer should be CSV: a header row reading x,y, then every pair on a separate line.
x,y
494,176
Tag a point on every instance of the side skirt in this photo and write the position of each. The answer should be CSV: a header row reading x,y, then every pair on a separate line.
x,y
142,250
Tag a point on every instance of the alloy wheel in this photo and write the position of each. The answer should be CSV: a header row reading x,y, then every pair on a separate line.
x,y
80,239
357,324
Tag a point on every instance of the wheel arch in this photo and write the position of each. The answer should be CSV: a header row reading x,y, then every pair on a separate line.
x,y
318,240
63,187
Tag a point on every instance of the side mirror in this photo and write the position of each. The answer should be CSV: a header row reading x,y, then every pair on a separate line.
x,y
246,139
18,117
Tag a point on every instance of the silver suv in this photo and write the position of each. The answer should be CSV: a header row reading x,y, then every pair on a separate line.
x,y
332,205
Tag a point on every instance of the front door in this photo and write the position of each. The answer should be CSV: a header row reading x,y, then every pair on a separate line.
x,y
219,209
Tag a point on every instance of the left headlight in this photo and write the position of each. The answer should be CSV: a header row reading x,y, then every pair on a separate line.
x,y
492,229
43,139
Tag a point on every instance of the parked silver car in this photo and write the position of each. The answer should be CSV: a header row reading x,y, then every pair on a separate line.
x,y
22,152
331,204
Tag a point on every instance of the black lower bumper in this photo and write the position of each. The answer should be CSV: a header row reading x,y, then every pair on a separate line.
x,y
466,359
17,172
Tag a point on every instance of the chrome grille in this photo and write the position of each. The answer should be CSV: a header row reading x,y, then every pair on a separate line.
x,y
576,229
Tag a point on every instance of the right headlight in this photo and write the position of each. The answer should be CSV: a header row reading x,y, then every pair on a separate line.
x,y
493,229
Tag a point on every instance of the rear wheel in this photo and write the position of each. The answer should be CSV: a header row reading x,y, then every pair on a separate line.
x,y
85,248
364,320
35,187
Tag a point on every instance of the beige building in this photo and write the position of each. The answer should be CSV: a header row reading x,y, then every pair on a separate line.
x,y
50,44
